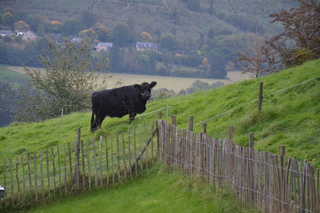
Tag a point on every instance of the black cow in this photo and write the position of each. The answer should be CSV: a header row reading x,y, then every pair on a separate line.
x,y
119,102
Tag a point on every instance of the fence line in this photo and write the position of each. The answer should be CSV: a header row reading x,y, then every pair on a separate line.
x,y
139,116
273,183
57,171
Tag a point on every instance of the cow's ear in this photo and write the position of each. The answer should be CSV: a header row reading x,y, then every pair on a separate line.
x,y
153,84
137,86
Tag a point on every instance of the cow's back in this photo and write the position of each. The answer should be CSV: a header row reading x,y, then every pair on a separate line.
x,y
115,102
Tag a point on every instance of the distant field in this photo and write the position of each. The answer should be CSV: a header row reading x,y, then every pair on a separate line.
x,y
172,83
6,75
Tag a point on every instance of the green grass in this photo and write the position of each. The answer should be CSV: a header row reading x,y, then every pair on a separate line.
x,y
7,76
155,191
290,116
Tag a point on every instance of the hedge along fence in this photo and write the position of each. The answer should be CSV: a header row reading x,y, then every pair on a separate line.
x,y
35,178
273,183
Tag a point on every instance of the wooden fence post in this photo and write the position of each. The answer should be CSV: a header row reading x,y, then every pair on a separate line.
x,y
35,176
5,178
100,159
260,96
29,173
77,154
174,120
159,115
17,176
204,128
282,185
282,150
190,123
230,132
251,140
252,169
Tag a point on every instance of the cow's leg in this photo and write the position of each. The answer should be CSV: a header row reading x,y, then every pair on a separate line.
x,y
132,116
96,124
93,123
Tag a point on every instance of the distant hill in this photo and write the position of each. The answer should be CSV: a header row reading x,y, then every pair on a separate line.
x,y
187,19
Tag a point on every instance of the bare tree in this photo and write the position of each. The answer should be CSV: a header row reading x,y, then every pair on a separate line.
x,y
300,39
252,59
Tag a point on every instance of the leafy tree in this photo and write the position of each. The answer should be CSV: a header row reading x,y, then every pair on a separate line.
x,y
223,48
104,34
66,82
115,59
146,63
8,20
54,26
40,30
301,34
90,34
34,21
217,64
228,46
211,6
7,95
21,25
146,37
88,19
167,41
194,59
194,5
122,35
72,27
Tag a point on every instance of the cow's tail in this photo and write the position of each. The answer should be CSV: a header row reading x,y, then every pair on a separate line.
x,y
93,127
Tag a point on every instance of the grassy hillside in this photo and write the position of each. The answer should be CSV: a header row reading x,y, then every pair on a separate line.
x,y
290,116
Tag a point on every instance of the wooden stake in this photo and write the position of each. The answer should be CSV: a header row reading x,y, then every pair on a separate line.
x,y
260,96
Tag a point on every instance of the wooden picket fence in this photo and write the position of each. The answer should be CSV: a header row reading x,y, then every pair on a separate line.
x,y
272,183
34,178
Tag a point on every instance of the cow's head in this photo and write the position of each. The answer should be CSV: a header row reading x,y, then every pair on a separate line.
x,y
144,89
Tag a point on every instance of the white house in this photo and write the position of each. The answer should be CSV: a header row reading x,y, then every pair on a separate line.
x,y
4,33
27,36
103,46
141,46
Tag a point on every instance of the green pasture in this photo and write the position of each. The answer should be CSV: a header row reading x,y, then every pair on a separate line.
x,y
9,77
290,116
155,190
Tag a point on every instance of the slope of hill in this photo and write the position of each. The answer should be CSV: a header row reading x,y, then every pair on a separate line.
x,y
290,116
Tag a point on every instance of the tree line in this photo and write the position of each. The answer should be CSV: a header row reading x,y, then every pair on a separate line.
x,y
206,57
